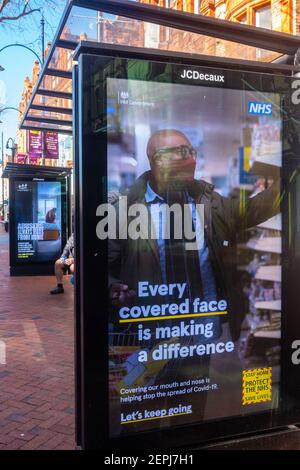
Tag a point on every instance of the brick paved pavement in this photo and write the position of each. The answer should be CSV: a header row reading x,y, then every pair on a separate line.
x,y
37,380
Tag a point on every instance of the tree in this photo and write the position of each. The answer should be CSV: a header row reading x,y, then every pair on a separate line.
x,y
14,10
20,20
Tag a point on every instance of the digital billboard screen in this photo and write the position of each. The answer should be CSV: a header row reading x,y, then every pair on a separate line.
x,y
194,330
189,174
38,221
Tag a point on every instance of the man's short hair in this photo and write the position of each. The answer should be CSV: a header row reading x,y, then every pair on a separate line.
x,y
163,132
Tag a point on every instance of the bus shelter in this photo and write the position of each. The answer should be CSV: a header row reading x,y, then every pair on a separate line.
x,y
178,346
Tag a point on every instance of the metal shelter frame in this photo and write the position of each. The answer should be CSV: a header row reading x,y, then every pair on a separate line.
x,y
42,116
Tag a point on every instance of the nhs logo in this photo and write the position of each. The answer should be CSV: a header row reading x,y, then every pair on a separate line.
x,y
254,107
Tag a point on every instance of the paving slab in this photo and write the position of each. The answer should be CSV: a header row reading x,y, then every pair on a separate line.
x,y
37,366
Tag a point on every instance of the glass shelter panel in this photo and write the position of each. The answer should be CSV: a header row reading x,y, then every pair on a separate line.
x,y
61,59
90,25
48,126
46,114
52,101
53,83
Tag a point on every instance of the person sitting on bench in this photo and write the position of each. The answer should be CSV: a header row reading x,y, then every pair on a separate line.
x,y
64,265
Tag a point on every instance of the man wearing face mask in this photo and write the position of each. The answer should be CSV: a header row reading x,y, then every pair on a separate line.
x,y
210,271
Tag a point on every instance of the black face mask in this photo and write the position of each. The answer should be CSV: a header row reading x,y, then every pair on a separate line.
x,y
174,178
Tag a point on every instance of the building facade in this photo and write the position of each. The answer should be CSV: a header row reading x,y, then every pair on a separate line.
x,y
63,61
278,15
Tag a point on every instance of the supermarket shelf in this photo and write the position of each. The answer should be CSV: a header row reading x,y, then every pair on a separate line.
x,y
265,169
269,273
243,246
238,187
276,334
268,305
275,223
242,267
269,244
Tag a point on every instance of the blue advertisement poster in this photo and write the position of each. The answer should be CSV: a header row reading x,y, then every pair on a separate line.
x,y
38,217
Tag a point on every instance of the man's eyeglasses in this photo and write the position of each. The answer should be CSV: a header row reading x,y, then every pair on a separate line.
x,y
172,153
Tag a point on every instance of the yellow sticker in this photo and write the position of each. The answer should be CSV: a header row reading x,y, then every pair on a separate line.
x,y
257,385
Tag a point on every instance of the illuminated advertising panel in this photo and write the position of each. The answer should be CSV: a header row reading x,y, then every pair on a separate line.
x,y
38,223
192,180
38,220
183,309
